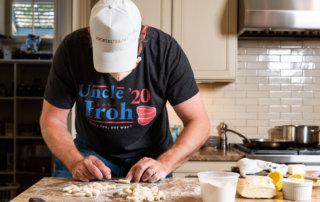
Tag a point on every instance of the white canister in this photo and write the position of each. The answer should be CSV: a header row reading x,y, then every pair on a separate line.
x,y
218,186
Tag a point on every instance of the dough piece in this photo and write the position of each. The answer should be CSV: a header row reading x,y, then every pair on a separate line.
x,y
95,192
89,190
103,186
98,186
88,193
161,195
256,187
141,193
67,189
79,194
123,181
71,188
296,169
155,189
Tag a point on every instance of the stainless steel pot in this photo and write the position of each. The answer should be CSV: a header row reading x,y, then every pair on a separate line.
x,y
302,135
307,135
289,132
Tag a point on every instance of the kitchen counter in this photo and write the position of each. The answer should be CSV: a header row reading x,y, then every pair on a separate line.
x,y
176,189
206,159
214,154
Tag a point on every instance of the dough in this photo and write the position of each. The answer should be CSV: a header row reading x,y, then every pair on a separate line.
x,y
123,181
90,190
256,187
135,192
296,169
141,193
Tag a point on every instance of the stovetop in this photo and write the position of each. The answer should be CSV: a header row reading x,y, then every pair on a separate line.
x,y
289,151
294,155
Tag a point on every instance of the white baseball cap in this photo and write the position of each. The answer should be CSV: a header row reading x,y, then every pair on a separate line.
x,y
115,29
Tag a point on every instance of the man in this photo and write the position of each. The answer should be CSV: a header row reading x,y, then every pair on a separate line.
x,y
120,85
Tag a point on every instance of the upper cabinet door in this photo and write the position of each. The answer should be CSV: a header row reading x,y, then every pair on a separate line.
x,y
207,32
156,13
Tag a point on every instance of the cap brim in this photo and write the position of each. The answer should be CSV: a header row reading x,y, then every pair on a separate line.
x,y
111,62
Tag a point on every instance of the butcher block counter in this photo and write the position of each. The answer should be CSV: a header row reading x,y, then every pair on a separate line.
x,y
208,158
214,154
175,189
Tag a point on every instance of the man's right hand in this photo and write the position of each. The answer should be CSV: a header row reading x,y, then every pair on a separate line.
x,y
90,168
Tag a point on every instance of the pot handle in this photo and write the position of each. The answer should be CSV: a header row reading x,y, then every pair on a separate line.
x,y
235,132
314,131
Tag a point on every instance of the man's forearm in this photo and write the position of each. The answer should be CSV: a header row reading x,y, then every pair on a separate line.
x,y
60,142
192,137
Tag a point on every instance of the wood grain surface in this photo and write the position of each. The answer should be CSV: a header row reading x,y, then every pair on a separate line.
x,y
176,190
50,189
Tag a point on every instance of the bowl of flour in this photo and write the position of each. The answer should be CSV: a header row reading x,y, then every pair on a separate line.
x,y
217,186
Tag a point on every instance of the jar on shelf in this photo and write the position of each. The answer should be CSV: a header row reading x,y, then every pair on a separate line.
x,y
175,132
7,53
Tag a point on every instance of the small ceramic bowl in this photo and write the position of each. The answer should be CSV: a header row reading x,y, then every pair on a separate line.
x,y
297,189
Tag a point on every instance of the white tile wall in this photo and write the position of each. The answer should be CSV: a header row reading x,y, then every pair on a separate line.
x,y
278,83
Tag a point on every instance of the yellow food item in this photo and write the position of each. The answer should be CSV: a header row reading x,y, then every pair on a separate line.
x,y
276,177
296,176
279,196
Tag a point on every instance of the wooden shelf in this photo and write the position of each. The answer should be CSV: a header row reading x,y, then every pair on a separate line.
x,y
24,61
6,172
6,137
28,98
23,112
29,137
6,98
32,173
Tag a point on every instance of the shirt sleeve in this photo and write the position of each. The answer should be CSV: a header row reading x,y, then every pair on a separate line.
x,y
60,89
181,84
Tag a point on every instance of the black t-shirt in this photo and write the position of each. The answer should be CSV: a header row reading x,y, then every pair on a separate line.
x,y
127,118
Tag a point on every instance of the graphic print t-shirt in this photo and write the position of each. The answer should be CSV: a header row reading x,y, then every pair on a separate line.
x,y
127,118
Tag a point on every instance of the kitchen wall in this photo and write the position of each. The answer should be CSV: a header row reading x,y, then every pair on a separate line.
x,y
278,83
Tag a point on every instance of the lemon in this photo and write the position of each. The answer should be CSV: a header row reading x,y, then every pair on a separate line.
x,y
276,177
279,196
296,176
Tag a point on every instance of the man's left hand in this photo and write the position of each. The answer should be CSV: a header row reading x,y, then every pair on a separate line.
x,y
147,170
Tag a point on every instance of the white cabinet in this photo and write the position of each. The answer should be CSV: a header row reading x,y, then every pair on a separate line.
x,y
191,168
156,13
206,30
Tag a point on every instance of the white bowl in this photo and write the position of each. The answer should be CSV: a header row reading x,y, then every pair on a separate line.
x,y
297,189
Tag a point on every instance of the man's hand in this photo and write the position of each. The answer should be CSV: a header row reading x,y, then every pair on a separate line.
x,y
90,168
147,169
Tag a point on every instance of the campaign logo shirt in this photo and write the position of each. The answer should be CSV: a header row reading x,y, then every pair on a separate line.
x,y
107,107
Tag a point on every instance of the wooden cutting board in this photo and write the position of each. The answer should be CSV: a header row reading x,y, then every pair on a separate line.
x,y
316,180
50,189
176,190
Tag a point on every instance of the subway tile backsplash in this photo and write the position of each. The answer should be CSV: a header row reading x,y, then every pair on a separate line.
x,y
278,83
